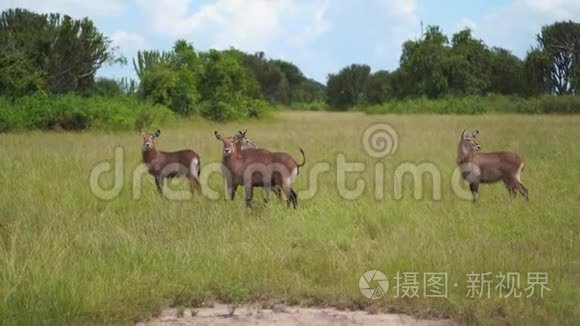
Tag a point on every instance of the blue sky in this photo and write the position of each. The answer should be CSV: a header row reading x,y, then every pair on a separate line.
x,y
319,36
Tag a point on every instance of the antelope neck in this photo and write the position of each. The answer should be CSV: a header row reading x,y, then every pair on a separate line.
x,y
149,154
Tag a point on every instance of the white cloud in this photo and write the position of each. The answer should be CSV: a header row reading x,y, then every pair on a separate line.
x,y
307,32
515,25
466,23
247,24
74,8
402,8
558,9
403,24
319,23
128,42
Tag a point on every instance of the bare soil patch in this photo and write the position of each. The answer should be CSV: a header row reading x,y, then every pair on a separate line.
x,y
222,314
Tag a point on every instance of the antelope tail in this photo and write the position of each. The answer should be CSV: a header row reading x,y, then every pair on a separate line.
x,y
303,159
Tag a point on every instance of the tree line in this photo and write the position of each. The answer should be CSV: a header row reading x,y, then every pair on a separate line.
x,y
220,85
434,67
53,54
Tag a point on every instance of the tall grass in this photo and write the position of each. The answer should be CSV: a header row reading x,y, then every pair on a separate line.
x,y
67,257
482,104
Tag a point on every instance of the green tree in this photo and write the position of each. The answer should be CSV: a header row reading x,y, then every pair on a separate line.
x,y
560,43
507,73
170,78
424,63
537,72
105,87
273,83
467,65
282,82
348,87
379,88
292,73
401,84
226,86
148,59
308,91
301,89
18,76
50,52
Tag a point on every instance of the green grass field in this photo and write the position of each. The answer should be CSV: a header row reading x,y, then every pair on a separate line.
x,y
67,257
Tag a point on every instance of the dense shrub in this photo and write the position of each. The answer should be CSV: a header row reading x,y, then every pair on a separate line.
x,y
483,104
258,109
215,84
221,110
104,87
70,112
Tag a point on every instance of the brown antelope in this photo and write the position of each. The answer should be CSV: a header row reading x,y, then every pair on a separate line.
x,y
247,144
254,167
163,165
477,168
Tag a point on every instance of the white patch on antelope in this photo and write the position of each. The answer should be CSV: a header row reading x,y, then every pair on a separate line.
x,y
274,168
162,165
293,174
477,167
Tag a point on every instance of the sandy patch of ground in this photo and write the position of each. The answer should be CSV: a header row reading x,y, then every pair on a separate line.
x,y
221,314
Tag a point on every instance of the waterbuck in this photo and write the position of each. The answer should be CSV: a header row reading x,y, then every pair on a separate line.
x,y
477,168
163,165
247,144
253,167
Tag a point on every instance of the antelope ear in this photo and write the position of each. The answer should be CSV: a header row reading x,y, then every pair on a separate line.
x,y
476,133
157,133
244,133
463,134
217,135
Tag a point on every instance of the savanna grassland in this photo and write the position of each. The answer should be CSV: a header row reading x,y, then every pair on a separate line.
x,y
68,257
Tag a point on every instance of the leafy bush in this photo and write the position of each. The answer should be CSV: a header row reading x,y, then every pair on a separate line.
x,y
258,109
104,87
174,89
221,110
215,84
483,104
70,112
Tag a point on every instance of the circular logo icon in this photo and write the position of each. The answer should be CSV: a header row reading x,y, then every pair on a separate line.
x,y
380,140
373,284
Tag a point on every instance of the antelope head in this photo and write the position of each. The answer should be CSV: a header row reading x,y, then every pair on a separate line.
x,y
230,144
469,141
245,141
149,139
